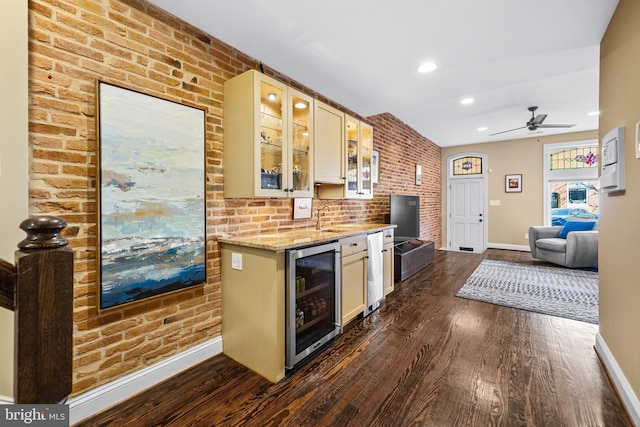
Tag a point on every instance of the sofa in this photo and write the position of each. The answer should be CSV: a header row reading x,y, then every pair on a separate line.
x,y
559,245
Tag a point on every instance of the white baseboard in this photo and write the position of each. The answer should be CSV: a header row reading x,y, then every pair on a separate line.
x,y
6,400
100,398
629,398
522,248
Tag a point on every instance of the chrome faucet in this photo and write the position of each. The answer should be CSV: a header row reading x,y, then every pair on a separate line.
x,y
319,223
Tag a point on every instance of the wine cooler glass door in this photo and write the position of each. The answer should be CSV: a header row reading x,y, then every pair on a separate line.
x,y
313,283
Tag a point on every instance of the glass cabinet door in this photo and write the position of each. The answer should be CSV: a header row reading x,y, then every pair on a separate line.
x,y
366,150
353,134
271,137
301,125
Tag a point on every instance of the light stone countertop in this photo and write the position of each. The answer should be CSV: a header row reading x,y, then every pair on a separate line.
x,y
280,241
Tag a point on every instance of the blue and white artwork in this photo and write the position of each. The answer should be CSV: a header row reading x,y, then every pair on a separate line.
x,y
152,200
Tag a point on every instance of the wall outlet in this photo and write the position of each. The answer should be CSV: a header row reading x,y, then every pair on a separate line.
x,y
526,236
236,261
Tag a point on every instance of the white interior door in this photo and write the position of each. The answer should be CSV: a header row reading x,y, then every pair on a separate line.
x,y
467,217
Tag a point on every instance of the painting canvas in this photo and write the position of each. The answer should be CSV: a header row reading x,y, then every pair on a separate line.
x,y
151,195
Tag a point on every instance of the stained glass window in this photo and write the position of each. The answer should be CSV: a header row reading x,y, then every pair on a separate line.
x,y
467,166
574,158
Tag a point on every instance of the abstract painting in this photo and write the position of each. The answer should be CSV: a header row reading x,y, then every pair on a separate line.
x,y
151,195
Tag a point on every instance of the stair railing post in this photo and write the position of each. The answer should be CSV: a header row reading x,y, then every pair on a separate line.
x,y
43,313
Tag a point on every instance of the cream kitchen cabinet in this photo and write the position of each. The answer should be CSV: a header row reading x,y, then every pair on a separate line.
x,y
356,158
364,182
328,139
268,138
354,276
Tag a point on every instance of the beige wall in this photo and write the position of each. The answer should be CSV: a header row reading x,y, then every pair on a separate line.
x,y
510,221
619,250
14,159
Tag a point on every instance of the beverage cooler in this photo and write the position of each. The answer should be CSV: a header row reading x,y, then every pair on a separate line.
x,y
312,315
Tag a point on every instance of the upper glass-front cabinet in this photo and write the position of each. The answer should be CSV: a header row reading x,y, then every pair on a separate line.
x,y
272,155
301,107
366,152
358,182
359,151
267,138
353,156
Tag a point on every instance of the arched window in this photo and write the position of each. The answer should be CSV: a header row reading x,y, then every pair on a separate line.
x,y
469,165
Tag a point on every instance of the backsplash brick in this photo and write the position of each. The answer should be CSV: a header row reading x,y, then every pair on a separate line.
x,y
74,43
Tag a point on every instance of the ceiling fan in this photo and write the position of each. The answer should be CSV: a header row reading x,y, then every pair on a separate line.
x,y
535,122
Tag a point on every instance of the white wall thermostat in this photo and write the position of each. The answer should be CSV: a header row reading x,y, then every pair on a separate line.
x,y
612,176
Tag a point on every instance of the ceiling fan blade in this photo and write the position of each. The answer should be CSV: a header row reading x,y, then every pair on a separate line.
x,y
538,120
555,126
505,131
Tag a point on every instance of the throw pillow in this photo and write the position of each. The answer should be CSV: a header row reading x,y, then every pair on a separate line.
x,y
575,226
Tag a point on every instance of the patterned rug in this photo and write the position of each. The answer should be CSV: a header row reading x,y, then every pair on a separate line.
x,y
556,291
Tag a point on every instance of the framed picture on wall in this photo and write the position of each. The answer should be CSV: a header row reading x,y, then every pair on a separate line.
x,y
151,195
513,183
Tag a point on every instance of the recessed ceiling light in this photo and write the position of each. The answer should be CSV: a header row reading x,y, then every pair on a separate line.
x,y
427,67
594,113
467,101
482,129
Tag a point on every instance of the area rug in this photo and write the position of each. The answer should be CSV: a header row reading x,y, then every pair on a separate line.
x,y
561,292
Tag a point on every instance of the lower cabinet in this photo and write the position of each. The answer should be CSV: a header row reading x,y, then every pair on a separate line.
x,y
354,276
253,307
387,262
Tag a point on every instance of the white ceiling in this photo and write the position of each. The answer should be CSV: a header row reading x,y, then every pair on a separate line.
x,y
363,54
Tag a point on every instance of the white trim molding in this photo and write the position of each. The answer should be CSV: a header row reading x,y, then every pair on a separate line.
x,y
629,398
508,247
100,398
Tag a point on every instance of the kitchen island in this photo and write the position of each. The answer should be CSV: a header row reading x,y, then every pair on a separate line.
x,y
253,291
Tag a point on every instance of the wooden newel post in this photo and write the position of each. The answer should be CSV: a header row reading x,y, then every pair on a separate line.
x,y
43,313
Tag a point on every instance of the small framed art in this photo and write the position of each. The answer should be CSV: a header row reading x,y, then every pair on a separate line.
x,y
513,183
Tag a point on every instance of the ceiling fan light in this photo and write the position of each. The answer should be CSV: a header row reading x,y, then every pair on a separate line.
x,y
427,67
467,101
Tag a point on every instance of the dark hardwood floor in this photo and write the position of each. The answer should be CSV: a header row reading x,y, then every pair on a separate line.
x,y
424,358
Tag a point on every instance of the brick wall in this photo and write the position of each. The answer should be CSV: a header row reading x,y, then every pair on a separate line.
x,y
401,149
72,44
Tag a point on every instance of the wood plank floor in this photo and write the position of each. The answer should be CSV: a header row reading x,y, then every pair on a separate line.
x,y
424,358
